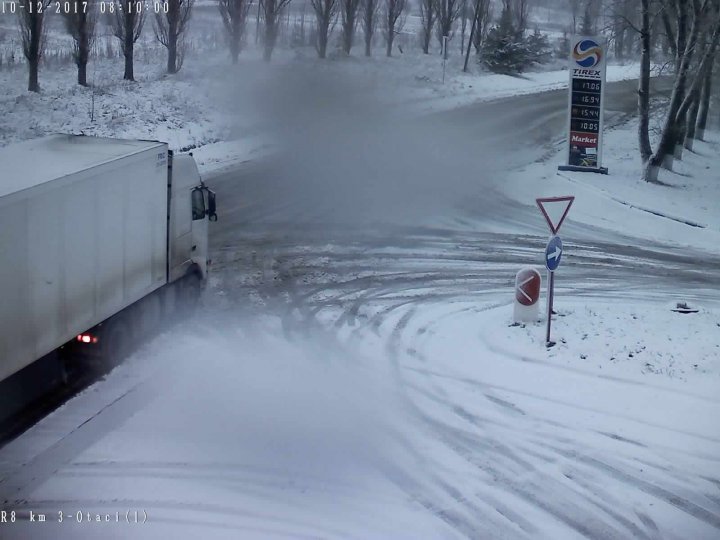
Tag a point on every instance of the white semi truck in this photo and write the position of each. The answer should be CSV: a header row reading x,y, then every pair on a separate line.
x,y
100,241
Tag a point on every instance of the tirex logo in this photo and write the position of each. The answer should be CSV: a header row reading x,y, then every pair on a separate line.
x,y
587,73
583,139
587,53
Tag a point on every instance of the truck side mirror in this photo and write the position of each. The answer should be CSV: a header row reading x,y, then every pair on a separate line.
x,y
212,208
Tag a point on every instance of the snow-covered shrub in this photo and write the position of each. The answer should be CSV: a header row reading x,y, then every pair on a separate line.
x,y
508,51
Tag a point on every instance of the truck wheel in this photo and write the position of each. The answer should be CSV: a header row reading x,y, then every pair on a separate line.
x,y
116,343
189,293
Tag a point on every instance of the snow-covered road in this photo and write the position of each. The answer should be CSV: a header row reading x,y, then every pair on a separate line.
x,y
354,374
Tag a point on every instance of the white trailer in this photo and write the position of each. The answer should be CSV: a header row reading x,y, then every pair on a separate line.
x,y
92,231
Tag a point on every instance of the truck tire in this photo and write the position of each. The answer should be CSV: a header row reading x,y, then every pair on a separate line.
x,y
189,293
117,342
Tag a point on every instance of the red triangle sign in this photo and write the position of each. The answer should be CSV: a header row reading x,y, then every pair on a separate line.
x,y
555,210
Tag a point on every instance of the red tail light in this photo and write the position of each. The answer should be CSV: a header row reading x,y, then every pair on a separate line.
x,y
87,338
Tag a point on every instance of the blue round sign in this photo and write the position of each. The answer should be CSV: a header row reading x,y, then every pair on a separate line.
x,y
553,253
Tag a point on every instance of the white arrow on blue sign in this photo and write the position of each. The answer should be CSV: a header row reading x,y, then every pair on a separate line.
x,y
553,253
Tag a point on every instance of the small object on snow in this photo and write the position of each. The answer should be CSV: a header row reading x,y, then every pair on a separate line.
x,y
583,356
550,344
683,307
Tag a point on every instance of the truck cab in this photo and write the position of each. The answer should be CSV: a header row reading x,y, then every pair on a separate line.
x,y
192,206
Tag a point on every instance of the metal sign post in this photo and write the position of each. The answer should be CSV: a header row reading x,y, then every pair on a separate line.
x,y
551,289
554,210
553,254
585,105
444,55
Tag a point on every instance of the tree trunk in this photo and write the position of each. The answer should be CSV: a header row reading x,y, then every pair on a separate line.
x,y
704,104
473,29
128,53
322,41
33,51
83,55
129,74
348,32
619,41
692,119
257,31
427,36
82,73
673,132
390,39
368,43
669,33
269,44
463,25
644,85
33,67
172,53
234,48
663,155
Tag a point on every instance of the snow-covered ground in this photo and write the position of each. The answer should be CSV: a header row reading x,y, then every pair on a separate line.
x,y
683,210
208,105
419,420
380,389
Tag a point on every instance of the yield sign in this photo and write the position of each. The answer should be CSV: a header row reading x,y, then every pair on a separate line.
x,y
555,210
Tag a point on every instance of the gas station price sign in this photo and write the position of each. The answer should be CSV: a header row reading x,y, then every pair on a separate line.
x,y
585,104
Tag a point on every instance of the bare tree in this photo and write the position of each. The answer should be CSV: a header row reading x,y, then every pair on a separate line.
x,y
700,92
644,84
622,15
695,58
325,14
271,10
170,27
447,12
234,17
428,15
32,36
127,25
484,16
667,8
394,21
480,16
574,6
369,22
80,21
464,17
349,9
705,102
590,17
520,10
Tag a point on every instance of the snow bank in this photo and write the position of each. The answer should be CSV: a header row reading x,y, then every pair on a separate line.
x,y
684,212
620,339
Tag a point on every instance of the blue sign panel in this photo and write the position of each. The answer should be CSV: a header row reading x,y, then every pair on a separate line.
x,y
553,253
